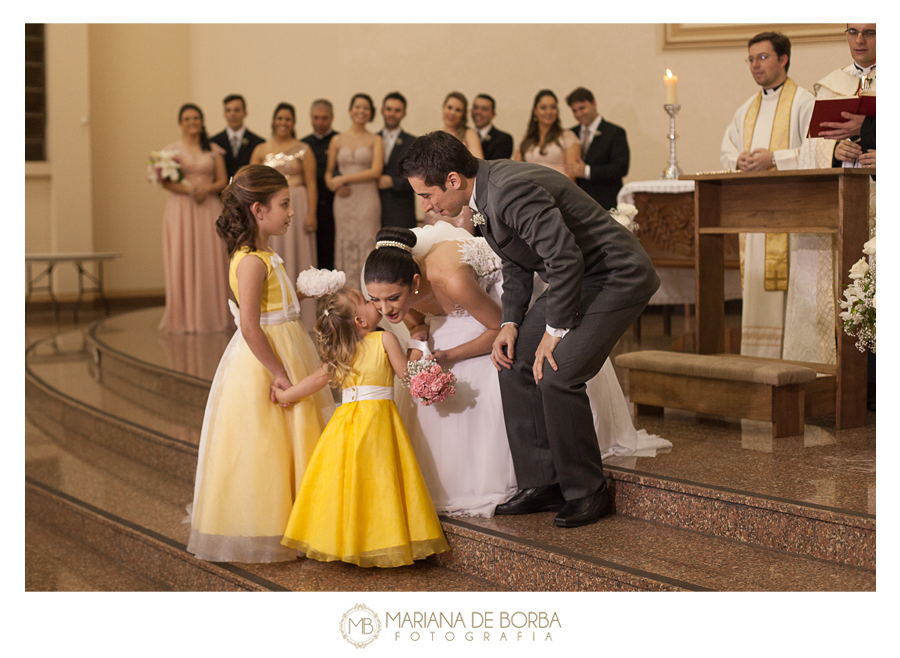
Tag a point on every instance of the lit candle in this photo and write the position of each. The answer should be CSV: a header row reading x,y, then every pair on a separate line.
x,y
671,82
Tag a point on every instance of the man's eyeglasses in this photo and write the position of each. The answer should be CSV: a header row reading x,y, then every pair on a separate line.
x,y
762,58
853,33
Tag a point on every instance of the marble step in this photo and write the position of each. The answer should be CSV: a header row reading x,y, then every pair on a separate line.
x,y
64,398
61,394
132,514
55,562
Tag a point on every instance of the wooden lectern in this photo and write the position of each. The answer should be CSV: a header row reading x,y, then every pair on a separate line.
x,y
799,201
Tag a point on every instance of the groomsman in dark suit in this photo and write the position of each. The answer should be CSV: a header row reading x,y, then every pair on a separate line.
x,y
604,150
496,144
599,280
398,202
321,114
236,139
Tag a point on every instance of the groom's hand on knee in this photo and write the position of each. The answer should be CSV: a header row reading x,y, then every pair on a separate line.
x,y
503,349
544,351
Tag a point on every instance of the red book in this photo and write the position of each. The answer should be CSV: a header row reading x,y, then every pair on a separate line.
x,y
829,110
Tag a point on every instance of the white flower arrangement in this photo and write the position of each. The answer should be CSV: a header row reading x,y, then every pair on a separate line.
x,y
318,283
858,304
625,213
164,166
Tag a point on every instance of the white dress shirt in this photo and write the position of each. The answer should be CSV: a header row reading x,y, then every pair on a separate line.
x,y
390,138
232,134
591,131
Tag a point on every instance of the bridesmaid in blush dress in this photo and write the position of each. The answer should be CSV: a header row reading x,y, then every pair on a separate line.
x,y
295,160
546,142
454,111
194,258
359,155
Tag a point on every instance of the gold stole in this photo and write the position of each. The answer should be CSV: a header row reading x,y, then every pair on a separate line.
x,y
776,243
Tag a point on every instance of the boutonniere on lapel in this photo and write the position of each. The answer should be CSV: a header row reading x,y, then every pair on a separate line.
x,y
478,219
487,138
399,141
245,141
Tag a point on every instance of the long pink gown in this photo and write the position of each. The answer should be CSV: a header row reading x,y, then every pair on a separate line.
x,y
357,217
194,256
297,247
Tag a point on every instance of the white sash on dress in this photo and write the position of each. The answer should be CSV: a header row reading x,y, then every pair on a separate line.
x,y
360,393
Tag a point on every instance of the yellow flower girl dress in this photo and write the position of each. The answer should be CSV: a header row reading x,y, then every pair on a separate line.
x,y
363,499
253,453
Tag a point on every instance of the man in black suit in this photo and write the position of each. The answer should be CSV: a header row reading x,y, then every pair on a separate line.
x,y
599,280
236,139
398,203
496,144
604,150
321,114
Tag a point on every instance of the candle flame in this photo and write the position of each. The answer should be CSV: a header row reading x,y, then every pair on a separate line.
x,y
668,73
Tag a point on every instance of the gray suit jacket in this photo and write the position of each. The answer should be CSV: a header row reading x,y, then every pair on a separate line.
x,y
540,221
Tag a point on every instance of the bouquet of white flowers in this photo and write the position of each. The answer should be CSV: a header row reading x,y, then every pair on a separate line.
x,y
164,166
625,213
318,283
859,301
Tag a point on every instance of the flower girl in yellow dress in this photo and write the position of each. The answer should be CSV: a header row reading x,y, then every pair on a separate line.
x,y
253,453
363,499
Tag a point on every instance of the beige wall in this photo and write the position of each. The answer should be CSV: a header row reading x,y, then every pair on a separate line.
x,y
141,74
58,193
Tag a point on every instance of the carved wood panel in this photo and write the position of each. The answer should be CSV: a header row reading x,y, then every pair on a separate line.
x,y
666,229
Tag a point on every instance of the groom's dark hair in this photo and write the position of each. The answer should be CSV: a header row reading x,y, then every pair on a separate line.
x,y
433,156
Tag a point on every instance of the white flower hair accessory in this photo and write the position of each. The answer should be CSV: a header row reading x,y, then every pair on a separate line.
x,y
318,283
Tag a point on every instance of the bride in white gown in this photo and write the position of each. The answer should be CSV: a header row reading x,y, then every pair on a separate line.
x,y
440,285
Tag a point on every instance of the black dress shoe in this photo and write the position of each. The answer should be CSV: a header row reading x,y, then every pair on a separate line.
x,y
583,511
529,501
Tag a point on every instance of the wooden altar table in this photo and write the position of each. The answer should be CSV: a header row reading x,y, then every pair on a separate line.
x,y
800,201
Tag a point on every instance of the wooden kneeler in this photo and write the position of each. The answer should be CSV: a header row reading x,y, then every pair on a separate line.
x,y
723,385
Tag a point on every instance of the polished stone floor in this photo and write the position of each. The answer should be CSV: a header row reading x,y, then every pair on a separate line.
x,y
825,466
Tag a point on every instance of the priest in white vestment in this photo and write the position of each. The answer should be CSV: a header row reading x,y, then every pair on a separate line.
x,y
810,323
767,132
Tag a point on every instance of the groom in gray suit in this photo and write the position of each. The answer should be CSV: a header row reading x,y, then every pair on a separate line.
x,y
600,279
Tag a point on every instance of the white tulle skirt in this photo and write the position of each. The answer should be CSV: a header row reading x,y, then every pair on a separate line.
x,y
461,443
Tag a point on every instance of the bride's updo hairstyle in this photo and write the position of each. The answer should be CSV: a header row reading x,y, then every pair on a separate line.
x,y
391,261
236,225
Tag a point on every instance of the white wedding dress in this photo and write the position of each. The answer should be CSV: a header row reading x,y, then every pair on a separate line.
x,y
461,443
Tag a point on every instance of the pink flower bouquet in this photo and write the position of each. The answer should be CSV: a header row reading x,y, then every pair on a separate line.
x,y
429,383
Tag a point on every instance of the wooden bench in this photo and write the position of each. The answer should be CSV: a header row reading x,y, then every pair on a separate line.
x,y
50,261
724,385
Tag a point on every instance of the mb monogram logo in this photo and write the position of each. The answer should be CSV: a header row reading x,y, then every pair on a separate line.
x,y
360,626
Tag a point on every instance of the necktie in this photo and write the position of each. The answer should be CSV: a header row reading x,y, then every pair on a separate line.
x,y
585,141
235,145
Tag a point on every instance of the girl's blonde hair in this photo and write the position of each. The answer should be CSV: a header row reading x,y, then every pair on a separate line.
x,y
336,332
